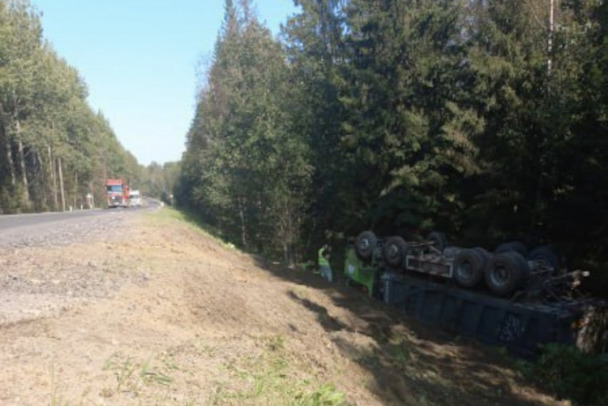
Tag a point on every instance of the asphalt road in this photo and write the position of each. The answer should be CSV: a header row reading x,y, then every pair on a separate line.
x,y
14,221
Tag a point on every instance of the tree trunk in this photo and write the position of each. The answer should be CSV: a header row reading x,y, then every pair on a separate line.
x,y
61,184
41,184
26,186
26,191
286,231
7,145
550,36
243,226
91,202
290,233
9,160
53,179
75,190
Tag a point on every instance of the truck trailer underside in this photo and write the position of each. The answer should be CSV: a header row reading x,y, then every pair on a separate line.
x,y
431,285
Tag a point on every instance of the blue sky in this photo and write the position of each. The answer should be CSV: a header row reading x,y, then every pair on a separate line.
x,y
140,60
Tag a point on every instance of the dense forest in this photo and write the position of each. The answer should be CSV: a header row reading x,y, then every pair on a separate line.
x,y
54,149
487,120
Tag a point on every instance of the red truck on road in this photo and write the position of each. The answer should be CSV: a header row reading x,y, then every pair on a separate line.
x,y
117,193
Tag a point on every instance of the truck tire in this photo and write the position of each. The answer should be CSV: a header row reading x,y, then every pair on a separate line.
x,y
469,267
506,273
438,240
547,257
394,251
513,246
366,244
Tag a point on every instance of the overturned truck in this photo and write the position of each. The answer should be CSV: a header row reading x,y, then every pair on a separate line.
x,y
509,297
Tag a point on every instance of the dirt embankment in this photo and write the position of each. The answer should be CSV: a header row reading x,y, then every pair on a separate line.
x,y
149,310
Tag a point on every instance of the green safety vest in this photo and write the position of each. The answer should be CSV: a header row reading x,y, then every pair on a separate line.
x,y
322,260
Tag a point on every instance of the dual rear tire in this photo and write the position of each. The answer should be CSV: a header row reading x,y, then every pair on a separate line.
x,y
394,249
504,273
469,266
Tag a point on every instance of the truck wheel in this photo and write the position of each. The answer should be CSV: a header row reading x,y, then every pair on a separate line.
x,y
468,268
546,257
438,240
513,246
394,251
506,273
365,244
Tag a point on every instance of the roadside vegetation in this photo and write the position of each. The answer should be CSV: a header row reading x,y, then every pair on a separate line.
x,y
567,373
54,150
485,120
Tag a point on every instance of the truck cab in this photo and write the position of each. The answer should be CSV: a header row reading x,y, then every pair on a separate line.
x,y
135,199
117,193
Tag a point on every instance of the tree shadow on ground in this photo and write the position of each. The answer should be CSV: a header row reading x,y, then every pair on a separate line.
x,y
328,322
411,363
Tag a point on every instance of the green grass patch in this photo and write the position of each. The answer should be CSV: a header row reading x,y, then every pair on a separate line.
x,y
56,398
132,375
169,215
273,378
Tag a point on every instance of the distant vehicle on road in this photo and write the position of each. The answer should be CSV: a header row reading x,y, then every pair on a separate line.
x,y
117,193
135,199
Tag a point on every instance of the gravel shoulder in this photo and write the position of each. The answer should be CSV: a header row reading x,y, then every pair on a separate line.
x,y
144,308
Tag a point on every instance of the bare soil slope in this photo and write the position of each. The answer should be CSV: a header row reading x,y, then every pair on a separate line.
x,y
167,315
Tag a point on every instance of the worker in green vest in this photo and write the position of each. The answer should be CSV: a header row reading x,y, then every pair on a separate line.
x,y
324,266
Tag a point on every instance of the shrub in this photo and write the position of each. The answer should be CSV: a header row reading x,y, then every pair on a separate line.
x,y
568,373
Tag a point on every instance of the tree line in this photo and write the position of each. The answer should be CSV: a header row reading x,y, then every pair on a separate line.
x,y
54,149
484,119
